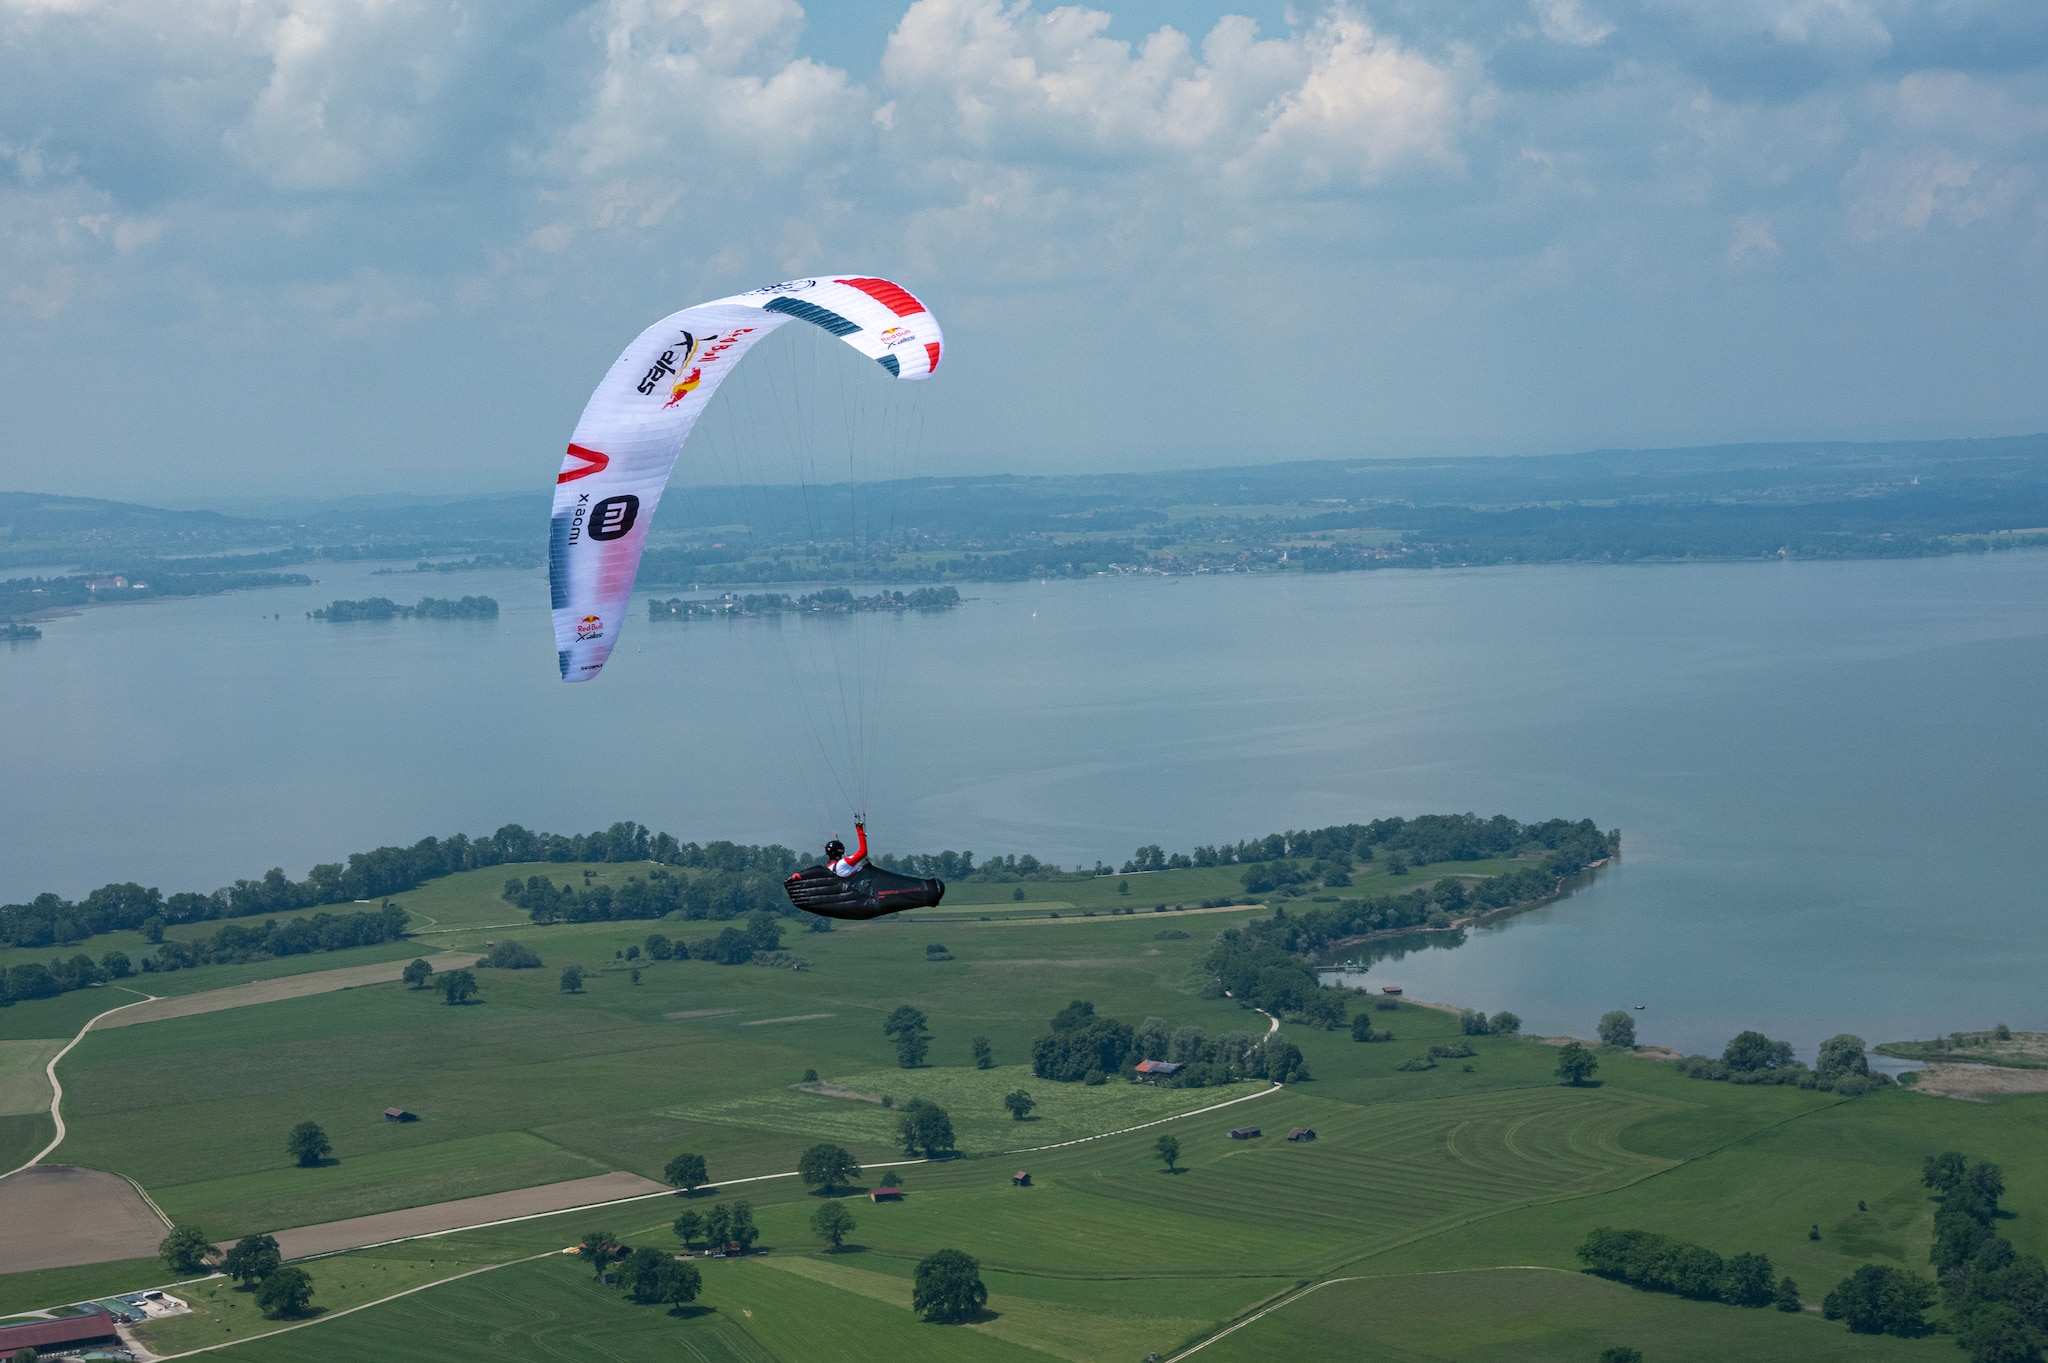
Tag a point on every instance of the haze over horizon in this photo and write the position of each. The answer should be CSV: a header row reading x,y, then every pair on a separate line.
x,y
325,249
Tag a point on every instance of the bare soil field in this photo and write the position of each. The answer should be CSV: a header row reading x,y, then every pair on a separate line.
x,y
443,1216
270,991
60,1215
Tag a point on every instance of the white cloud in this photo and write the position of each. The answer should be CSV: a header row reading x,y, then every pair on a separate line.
x,y
1570,22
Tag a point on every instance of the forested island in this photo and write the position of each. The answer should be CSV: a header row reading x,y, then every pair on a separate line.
x,y
20,596
14,633
830,601
429,608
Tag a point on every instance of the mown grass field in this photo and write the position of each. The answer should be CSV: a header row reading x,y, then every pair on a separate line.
x,y
1456,1195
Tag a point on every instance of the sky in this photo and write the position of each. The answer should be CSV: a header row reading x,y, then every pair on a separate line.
x,y
263,248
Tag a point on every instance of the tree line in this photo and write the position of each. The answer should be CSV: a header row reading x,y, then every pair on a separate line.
x,y
231,943
429,608
50,919
708,894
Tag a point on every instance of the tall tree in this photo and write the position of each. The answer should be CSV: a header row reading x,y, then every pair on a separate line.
x,y
1617,1028
686,1171
572,979
457,986
251,1259
1167,1147
598,1248
417,974
949,1287
1020,1104
308,1145
740,1229
1575,1064
908,1028
826,1167
833,1223
185,1249
924,1127
286,1293
688,1227
984,1054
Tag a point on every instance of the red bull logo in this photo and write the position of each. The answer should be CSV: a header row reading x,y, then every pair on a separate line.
x,y
684,386
588,628
891,337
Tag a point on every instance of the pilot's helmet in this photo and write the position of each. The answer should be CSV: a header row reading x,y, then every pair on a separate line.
x,y
835,849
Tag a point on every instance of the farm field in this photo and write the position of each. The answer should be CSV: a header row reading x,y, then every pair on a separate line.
x,y
1458,1193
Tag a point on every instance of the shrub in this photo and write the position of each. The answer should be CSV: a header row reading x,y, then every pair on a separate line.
x,y
510,955
1617,1029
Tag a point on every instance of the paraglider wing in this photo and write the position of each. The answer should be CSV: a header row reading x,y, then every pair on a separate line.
x,y
638,420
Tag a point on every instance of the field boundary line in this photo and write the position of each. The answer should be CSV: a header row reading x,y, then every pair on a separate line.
x,y
57,1088
351,1310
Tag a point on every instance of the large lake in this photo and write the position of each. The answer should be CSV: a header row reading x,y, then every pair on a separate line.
x,y
1830,776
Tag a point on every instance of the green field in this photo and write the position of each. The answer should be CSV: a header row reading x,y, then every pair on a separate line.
x,y
1441,1208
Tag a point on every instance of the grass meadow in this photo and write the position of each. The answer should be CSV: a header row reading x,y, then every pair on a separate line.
x,y
1440,1207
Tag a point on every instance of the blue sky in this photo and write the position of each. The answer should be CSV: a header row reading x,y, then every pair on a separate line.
x,y
269,247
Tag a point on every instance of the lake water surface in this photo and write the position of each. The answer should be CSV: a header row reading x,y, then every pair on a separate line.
x,y
1832,778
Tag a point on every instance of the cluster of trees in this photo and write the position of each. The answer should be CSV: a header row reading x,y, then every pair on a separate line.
x,y
724,1227
830,601
1997,1297
1254,970
51,920
648,1275
1083,1047
709,894
236,942
1659,1263
429,608
1753,1058
254,1261
34,980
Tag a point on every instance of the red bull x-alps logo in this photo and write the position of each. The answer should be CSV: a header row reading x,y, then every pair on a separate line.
x,y
588,628
892,337
689,382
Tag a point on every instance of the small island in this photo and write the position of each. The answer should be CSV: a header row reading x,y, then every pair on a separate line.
x,y
14,633
429,608
830,601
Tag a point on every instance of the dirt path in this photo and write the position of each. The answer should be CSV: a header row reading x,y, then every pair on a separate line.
x,y
56,1089
284,987
465,1213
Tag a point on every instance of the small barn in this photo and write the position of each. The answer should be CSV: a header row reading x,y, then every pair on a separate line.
x,y
1244,1133
886,1195
1020,1179
1156,1069
1302,1133
399,1114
